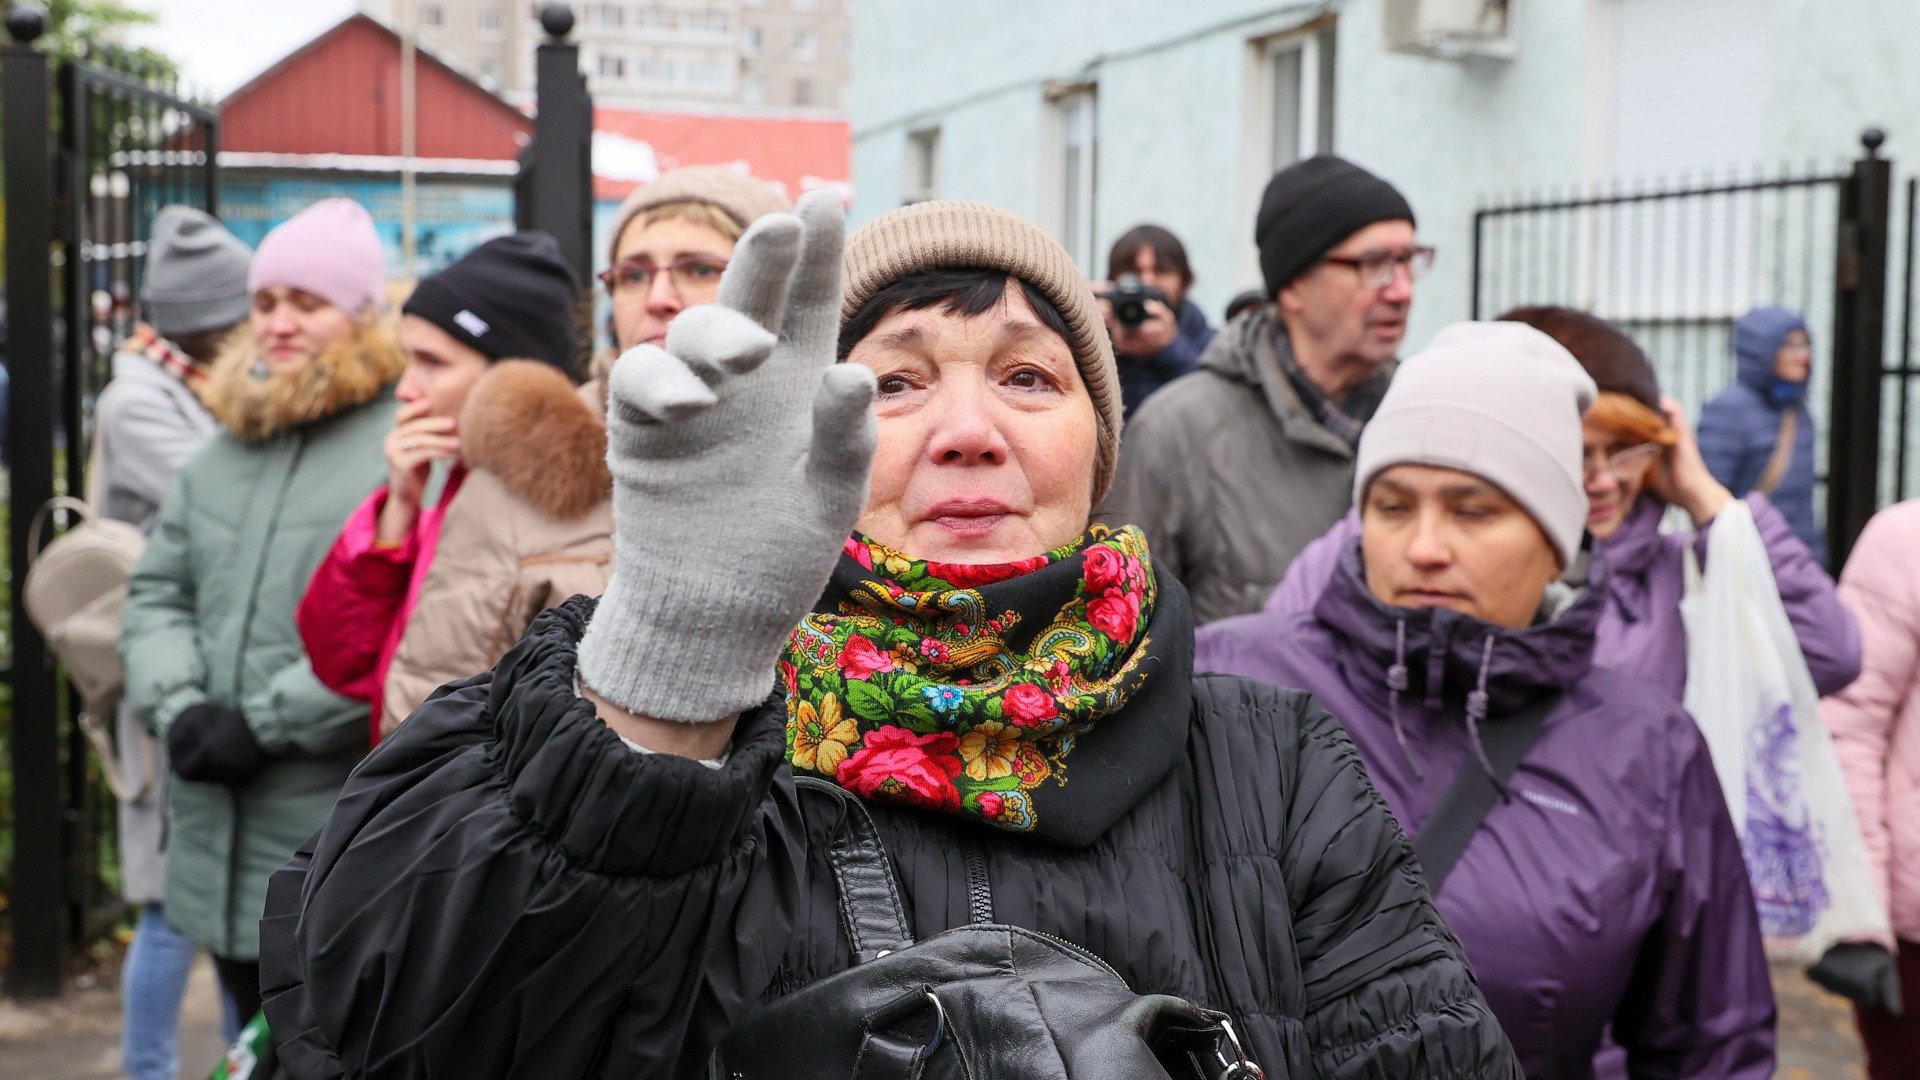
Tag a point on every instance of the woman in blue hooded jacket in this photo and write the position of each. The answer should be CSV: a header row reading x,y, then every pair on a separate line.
x,y
1765,408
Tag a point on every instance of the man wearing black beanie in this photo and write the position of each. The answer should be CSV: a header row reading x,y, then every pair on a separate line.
x,y
1235,468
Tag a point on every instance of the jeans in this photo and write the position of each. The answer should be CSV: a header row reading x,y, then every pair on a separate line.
x,y
152,984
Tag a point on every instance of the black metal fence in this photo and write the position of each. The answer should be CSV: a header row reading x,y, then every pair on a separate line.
x,y
1675,263
90,157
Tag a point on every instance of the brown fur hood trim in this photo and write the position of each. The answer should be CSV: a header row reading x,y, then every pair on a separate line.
x,y
255,407
525,423
599,373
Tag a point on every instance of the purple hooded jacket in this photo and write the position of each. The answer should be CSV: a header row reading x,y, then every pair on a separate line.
x,y
1608,886
1641,633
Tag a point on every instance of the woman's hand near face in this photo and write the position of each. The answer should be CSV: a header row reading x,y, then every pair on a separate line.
x,y
415,443
740,454
1683,478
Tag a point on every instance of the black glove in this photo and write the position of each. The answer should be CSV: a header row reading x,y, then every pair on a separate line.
x,y
1862,971
211,744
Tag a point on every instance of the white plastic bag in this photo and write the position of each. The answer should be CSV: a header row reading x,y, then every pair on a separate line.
x,y
1749,689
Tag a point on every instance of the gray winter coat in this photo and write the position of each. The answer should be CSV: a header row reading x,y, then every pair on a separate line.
x,y
1230,474
149,423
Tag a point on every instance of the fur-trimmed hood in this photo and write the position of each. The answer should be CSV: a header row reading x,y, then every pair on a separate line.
x,y
254,406
527,424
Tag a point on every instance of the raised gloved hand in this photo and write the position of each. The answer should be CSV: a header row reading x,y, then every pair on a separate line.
x,y
1863,972
212,744
740,455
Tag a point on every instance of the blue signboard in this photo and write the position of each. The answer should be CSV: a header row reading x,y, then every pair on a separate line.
x,y
451,216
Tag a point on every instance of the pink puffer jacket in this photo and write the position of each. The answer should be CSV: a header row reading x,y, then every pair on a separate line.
x,y
1876,721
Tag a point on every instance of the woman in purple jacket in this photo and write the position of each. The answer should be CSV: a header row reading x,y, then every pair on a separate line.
x,y
1605,886
1640,459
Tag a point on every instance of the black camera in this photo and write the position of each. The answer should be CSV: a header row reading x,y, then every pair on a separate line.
x,y
1129,297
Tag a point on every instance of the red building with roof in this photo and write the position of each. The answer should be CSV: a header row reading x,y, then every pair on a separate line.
x,y
326,120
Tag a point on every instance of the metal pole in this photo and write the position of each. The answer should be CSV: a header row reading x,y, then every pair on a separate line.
x,y
408,117
38,897
1859,338
562,139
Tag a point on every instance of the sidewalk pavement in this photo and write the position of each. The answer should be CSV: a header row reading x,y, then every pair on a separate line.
x,y
78,1036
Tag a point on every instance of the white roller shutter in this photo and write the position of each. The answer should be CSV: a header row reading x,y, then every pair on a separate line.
x,y
1687,85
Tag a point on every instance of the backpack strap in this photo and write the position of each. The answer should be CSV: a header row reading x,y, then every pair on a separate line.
x,y
870,906
1468,799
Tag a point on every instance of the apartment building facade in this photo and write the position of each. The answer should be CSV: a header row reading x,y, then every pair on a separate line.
x,y
749,55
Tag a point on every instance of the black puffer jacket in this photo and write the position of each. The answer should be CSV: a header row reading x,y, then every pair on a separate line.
x,y
505,890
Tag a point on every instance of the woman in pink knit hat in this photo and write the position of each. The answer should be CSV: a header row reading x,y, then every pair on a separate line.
x,y
258,746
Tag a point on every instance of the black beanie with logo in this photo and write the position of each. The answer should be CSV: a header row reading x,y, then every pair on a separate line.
x,y
512,297
1310,207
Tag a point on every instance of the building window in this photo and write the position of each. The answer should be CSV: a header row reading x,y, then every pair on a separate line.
x,y
751,41
922,181
1298,81
806,46
487,20
803,91
751,90
432,16
1073,173
611,66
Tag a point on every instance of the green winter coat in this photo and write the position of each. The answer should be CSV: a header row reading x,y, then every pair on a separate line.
x,y
210,618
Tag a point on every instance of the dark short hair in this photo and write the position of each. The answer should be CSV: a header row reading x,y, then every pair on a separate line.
x,y
1614,361
1168,253
963,292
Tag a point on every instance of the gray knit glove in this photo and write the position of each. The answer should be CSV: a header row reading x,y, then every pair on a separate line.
x,y
740,455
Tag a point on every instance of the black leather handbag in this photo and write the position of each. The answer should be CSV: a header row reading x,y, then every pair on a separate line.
x,y
980,1001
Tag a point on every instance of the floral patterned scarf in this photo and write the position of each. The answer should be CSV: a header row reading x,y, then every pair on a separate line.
x,y
962,689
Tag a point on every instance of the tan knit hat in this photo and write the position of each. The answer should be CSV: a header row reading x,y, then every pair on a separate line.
x,y
740,196
952,235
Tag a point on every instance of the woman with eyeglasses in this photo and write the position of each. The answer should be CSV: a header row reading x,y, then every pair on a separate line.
x,y
671,241
1640,459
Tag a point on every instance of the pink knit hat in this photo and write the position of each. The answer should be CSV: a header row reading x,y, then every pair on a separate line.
x,y
330,250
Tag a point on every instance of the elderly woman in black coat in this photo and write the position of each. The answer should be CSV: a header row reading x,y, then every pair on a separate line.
x,y
596,859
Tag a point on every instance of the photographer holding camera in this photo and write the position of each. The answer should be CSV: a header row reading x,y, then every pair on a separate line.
x,y
1158,334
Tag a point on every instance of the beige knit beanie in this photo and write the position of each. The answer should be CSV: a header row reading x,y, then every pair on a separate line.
x,y
952,235
740,196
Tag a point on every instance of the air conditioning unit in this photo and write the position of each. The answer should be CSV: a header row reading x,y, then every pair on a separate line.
x,y
1452,29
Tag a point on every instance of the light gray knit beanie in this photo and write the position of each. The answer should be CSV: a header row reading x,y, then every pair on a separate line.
x,y
733,193
196,274
946,234
1501,401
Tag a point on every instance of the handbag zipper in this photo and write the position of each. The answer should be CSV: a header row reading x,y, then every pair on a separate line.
x,y
979,888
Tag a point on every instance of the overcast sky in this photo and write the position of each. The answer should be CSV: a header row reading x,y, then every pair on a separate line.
x,y
220,44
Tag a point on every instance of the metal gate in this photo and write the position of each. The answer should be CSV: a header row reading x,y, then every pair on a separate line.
x,y
91,156
1674,264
